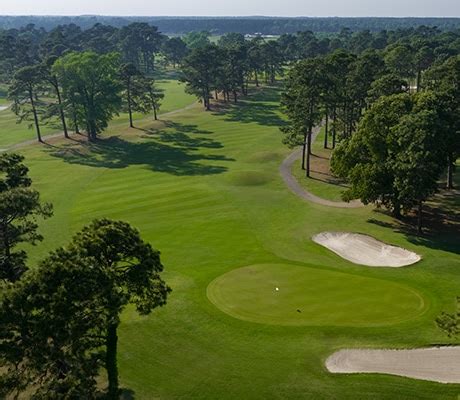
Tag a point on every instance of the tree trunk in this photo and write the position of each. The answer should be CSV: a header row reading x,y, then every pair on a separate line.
x,y
419,80
397,210
216,95
308,151
420,216
450,171
130,111
304,149
111,362
155,115
34,111
256,78
326,131
91,129
75,122
235,97
61,111
334,114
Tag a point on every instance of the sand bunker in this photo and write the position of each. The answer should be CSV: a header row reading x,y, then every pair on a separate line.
x,y
439,364
3,108
365,250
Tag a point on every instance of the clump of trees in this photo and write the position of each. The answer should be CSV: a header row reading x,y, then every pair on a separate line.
x,y
226,68
77,79
398,153
393,112
334,88
59,321
88,90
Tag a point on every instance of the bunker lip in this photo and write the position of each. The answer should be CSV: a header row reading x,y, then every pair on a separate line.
x,y
438,364
366,250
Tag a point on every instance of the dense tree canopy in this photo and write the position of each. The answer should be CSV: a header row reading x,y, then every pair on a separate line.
x,y
20,205
59,323
91,80
397,154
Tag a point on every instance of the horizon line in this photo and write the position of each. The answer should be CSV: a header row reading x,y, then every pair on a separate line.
x,y
228,16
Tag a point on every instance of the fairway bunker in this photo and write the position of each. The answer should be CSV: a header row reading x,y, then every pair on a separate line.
x,y
365,250
439,364
2,108
312,296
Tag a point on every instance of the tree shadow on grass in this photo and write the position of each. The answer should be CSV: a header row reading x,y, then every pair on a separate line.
x,y
170,152
326,178
251,112
261,108
127,394
441,228
180,135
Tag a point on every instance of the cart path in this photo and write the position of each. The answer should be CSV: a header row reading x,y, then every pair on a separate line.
x,y
296,188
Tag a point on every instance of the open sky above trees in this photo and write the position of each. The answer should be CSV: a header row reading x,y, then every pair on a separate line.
x,y
358,8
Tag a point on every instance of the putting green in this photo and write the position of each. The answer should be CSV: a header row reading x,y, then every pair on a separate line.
x,y
310,296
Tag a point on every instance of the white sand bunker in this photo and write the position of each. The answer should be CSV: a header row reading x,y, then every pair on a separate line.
x,y
3,108
439,364
365,250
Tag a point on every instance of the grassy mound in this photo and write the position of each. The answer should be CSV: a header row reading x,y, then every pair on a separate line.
x,y
265,156
249,178
283,294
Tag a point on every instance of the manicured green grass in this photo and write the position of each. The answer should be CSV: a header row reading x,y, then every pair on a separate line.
x,y
284,294
12,133
193,186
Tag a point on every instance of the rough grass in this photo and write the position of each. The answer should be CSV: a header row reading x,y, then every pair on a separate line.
x,y
169,179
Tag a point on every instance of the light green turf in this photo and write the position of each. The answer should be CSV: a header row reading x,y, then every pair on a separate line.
x,y
12,133
283,294
205,189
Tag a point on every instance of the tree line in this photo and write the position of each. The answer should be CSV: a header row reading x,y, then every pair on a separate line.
x,y
393,114
245,25
59,320
225,67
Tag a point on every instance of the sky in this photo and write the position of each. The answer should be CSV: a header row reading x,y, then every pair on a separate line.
x,y
315,8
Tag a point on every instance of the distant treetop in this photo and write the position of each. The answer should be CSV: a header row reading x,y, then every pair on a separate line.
x,y
244,25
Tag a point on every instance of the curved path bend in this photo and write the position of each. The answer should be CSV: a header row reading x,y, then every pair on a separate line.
x,y
296,188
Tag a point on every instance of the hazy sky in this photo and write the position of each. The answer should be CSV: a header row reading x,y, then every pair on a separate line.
x,y
395,8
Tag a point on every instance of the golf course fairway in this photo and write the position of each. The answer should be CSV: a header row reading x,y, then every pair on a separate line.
x,y
283,294
204,188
